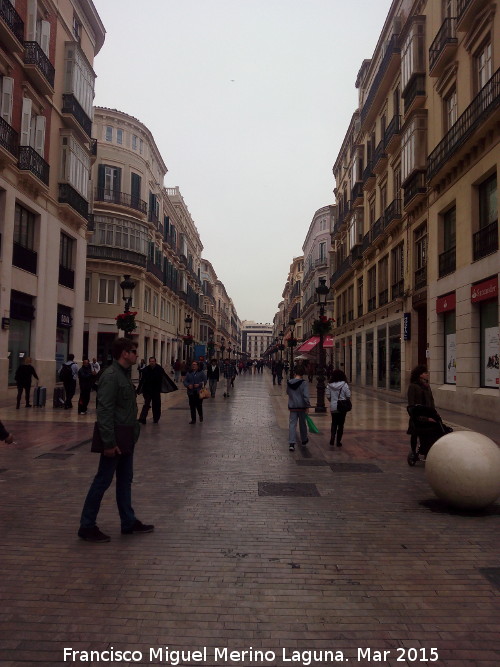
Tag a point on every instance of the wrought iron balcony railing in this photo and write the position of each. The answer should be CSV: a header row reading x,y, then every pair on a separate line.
x,y
8,137
420,278
12,19
121,199
397,289
482,106
114,254
377,229
30,160
414,89
414,186
368,172
447,262
372,303
392,130
392,49
35,56
485,241
447,34
68,195
383,297
157,271
392,212
72,106
357,192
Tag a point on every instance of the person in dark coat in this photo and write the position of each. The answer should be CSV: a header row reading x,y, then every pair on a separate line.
x,y
23,377
150,387
419,393
213,375
7,437
194,381
86,381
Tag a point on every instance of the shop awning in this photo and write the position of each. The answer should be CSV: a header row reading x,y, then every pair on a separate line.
x,y
310,344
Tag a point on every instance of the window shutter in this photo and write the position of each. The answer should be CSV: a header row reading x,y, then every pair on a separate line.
x,y
26,122
45,37
31,23
40,135
7,94
101,178
117,178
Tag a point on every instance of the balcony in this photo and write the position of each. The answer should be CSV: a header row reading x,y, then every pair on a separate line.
x,y
383,297
30,161
112,254
357,194
11,27
372,303
479,115
392,215
320,262
415,190
75,116
397,289
467,11
414,93
68,195
392,136
368,177
420,278
366,243
153,217
155,270
120,199
66,277
485,241
388,68
39,68
380,158
444,47
24,258
342,271
447,262
356,254
8,140
376,230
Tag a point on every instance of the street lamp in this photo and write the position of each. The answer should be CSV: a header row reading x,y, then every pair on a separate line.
x,y
128,287
229,350
291,324
322,291
222,346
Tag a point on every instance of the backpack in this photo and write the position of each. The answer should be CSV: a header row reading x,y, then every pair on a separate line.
x,y
65,373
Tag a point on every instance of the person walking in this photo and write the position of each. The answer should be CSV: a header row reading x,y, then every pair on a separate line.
x,y
194,381
150,388
68,374
7,437
229,373
86,381
119,430
213,375
24,373
279,372
177,370
419,393
298,405
337,390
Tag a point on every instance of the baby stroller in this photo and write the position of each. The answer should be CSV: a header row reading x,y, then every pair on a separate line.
x,y
427,426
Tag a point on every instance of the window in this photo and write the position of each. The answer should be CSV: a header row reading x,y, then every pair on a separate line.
x,y
397,270
372,288
413,53
24,227
80,80
109,133
450,109
163,309
77,28
360,296
396,181
382,357
32,128
155,304
75,165
322,251
483,65
383,281
6,93
37,30
66,247
119,137
134,142
413,146
121,233
490,346
88,282
107,290
421,256
488,202
447,258
147,299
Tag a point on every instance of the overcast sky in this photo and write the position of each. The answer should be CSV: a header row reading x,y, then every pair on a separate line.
x,y
248,102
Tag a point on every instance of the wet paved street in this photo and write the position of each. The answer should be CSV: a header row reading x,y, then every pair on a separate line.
x,y
343,552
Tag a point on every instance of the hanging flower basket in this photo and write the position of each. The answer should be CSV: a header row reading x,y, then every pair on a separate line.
x,y
292,342
126,322
322,326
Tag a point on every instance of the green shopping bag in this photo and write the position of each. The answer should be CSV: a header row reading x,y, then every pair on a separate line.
x,y
311,425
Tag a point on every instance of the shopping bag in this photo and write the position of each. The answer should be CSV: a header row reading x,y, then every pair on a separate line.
x,y
311,425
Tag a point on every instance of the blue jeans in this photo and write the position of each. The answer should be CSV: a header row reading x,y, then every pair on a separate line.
x,y
301,418
123,465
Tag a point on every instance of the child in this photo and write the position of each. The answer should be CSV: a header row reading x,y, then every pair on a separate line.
x,y
298,405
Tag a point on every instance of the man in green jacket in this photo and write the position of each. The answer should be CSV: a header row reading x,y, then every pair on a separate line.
x,y
119,431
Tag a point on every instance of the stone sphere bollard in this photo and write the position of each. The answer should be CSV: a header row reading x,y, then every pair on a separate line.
x,y
463,469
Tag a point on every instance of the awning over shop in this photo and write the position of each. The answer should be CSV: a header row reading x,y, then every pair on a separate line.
x,y
310,344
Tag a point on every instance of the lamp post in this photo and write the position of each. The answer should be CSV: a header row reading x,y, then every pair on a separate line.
x,y
222,346
127,286
229,350
188,339
291,324
322,292
210,346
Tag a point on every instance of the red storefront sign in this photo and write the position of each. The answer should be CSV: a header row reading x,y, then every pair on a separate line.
x,y
446,303
485,290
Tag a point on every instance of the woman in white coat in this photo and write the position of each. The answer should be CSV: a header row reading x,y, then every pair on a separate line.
x,y
337,390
